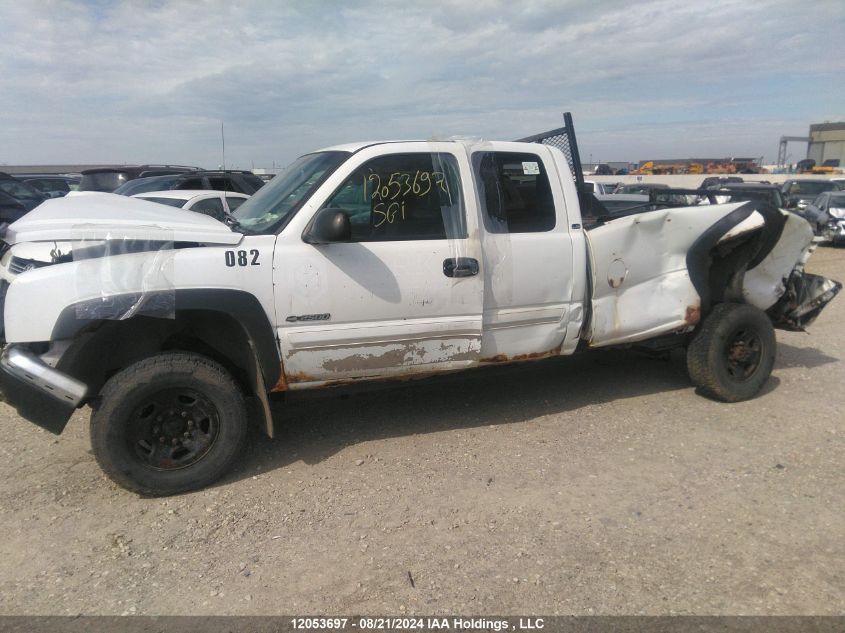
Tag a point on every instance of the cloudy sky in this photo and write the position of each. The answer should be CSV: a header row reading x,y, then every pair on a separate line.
x,y
91,82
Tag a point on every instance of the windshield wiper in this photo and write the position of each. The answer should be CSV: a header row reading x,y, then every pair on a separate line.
x,y
233,223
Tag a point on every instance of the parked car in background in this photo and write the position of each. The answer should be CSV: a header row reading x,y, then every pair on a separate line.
x,y
107,179
642,188
51,185
146,184
801,192
715,181
599,188
739,191
28,197
217,204
828,215
240,181
10,209
217,180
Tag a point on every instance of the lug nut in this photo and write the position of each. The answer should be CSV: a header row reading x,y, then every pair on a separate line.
x,y
186,435
156,430
175,442
161,440
190,424
184,414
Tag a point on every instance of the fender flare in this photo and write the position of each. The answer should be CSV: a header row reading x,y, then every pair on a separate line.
x,y
242,306
699,258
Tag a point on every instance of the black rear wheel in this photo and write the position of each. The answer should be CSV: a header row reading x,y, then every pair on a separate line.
x,y
732,355
168,424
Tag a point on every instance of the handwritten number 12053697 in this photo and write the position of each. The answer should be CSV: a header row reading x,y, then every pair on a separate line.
x,y
400,183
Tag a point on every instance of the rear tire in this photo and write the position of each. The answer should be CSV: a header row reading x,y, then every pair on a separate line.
x,y
732,355
171,423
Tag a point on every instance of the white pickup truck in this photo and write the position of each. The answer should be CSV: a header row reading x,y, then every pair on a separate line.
x,y
369,262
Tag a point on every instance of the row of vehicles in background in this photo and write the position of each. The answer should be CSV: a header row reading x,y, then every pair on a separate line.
x,y
819,201
20,193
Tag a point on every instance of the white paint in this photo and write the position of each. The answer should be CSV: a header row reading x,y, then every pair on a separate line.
x,y
107,215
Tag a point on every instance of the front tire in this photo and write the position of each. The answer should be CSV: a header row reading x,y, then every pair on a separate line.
x,y
732,355
170,423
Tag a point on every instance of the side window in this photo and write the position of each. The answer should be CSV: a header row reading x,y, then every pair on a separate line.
x,y
223,183
191,183
209,206
404,197
234,203
515,193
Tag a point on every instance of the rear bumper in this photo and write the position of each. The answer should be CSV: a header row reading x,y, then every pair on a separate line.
x,y
39,393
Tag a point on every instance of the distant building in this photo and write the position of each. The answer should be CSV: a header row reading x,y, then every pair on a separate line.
x,y
827,142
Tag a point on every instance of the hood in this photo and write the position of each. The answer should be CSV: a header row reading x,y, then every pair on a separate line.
x,y
109,216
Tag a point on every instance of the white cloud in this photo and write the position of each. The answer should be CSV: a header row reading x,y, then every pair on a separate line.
x,y
150,82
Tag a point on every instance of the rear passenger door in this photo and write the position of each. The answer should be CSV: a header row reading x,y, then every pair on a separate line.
x,y
528,252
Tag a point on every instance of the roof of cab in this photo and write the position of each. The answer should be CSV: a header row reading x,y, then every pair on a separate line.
x,y
357,147
187,194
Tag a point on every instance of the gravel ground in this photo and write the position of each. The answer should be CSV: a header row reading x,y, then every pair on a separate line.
x,y
595,485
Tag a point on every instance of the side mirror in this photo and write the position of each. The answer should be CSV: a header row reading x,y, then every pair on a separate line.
x,y
328,225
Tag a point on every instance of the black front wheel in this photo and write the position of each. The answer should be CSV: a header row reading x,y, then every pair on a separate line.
x,y
168,424
732,355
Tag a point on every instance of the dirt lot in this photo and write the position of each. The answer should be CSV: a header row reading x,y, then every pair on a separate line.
x,y
595,485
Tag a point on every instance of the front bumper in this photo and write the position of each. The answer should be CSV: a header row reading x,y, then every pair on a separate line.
x,y
39,393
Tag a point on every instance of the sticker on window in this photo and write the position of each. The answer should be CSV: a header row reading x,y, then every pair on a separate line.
x,y
530,168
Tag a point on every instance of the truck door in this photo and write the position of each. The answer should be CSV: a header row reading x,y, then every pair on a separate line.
x,y
528,252
404,295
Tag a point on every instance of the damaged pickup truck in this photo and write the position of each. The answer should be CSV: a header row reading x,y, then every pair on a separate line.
x,y
370,262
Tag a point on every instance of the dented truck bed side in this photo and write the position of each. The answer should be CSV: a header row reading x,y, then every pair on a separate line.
x,y
657,272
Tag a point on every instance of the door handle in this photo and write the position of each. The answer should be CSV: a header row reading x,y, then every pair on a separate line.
x,y
460,267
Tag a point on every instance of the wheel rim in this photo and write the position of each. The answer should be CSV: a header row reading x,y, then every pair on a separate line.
x,y
173,428
743,353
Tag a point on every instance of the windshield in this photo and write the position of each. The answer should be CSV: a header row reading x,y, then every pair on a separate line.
x,y
20,190
143,185
276,202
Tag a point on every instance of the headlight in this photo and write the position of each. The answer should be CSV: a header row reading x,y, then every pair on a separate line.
x,y
837,212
